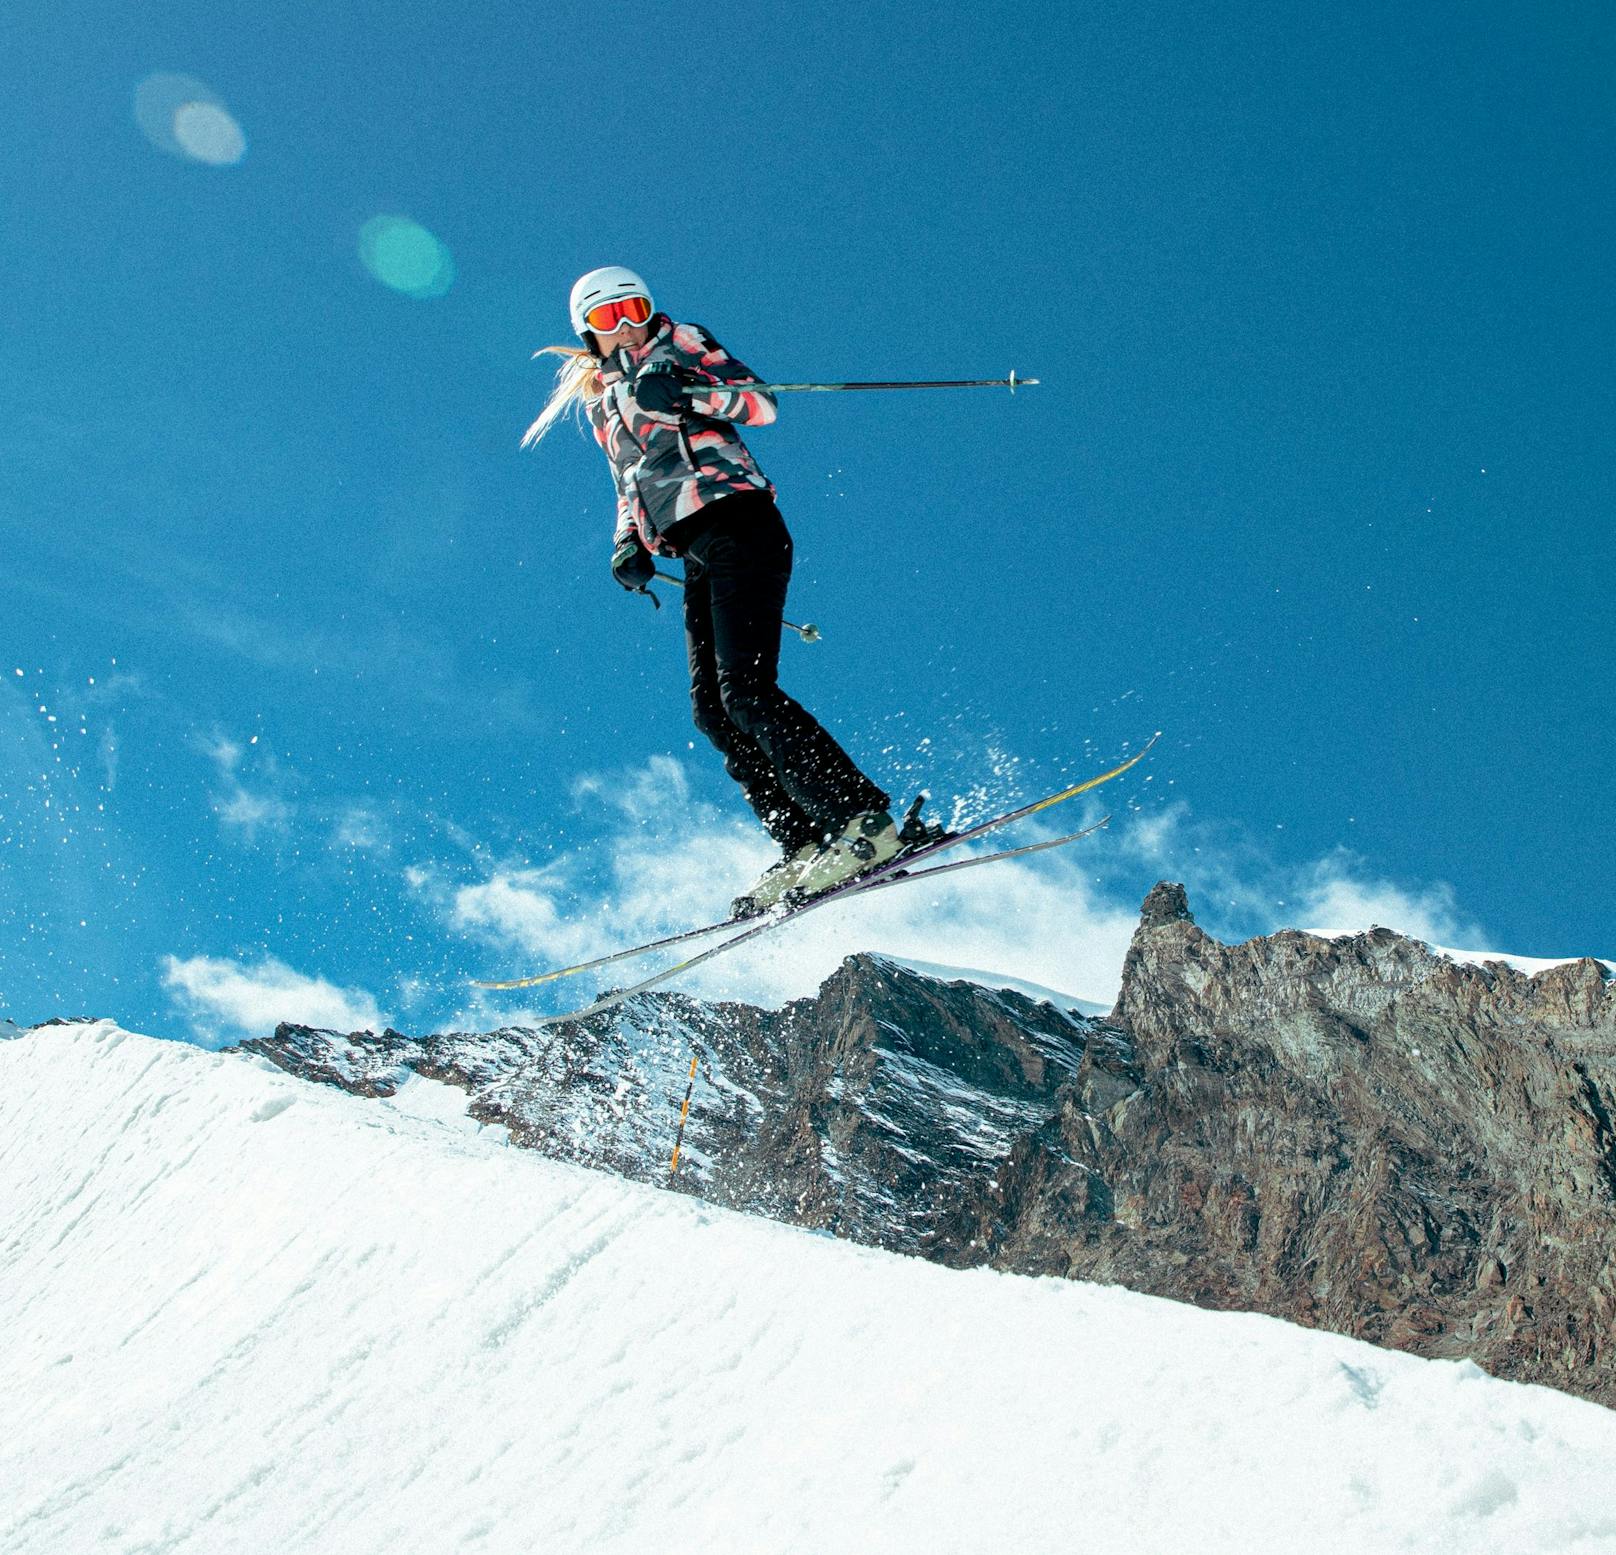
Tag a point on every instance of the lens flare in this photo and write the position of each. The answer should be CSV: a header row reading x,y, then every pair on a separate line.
x,y
184,117
209,134
402,254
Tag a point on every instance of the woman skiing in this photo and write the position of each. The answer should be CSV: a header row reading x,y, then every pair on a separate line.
x,y
664,400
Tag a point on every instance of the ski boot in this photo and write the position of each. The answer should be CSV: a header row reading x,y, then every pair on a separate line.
x,y
779,878
868,840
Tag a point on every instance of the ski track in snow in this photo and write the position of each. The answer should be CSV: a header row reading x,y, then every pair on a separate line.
x,y
244,1313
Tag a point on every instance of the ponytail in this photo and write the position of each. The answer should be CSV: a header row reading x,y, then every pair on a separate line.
x,y
577,381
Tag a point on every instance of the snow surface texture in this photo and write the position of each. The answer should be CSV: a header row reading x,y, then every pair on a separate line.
x,y
244,1314
968,974
1529,965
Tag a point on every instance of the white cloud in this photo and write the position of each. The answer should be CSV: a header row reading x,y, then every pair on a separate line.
x,y
1337,900
224,753
227,1000
246,810
658,884
521,908
361,827
1236,887
251,812
660,790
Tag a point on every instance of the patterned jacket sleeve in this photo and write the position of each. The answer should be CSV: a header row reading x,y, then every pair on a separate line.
x,y
707,359
625,524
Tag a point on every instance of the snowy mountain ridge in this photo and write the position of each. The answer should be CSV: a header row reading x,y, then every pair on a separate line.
x,y
245,1313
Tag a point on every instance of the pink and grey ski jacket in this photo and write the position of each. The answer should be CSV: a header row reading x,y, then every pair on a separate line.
x,y
667,468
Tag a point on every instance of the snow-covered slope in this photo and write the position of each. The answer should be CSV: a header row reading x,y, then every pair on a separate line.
x,y
1529,965
966,974
242,1313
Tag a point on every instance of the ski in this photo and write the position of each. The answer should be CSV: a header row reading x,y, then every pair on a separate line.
x,y
860,885
667,942
899,868
734,921
685,935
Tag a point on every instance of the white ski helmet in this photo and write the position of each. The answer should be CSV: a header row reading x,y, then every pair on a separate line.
x,y
611,283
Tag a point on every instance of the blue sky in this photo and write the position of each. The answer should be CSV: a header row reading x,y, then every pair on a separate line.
x,y
325,691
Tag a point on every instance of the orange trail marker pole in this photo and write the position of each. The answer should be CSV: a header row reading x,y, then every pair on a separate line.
x,y
684,1112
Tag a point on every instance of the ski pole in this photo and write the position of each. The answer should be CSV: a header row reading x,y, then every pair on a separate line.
x,y
684,1112
1012,383
808,632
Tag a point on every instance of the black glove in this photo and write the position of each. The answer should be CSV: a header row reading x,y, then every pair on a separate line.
x,y
632,565
660,389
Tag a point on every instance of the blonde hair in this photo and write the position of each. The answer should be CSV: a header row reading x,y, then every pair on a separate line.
x,y
577,381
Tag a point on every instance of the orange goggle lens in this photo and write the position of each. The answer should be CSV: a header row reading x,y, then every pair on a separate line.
x,y
611,316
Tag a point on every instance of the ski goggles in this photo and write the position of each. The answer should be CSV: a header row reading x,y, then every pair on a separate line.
x,y
609,317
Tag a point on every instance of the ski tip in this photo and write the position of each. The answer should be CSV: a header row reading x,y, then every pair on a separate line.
x,y
517,982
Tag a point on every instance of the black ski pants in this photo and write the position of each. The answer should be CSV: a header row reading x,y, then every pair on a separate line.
x,y
800,783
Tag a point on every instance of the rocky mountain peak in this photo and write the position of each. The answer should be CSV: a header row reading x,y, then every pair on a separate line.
x,y
1165,903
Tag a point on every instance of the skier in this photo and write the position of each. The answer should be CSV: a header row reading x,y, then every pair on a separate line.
x,y
664,400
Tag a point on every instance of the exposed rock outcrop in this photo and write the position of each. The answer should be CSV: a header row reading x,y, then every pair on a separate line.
x,y
1355,1134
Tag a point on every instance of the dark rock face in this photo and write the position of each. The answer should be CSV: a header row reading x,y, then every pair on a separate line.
x,y
1353,1134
